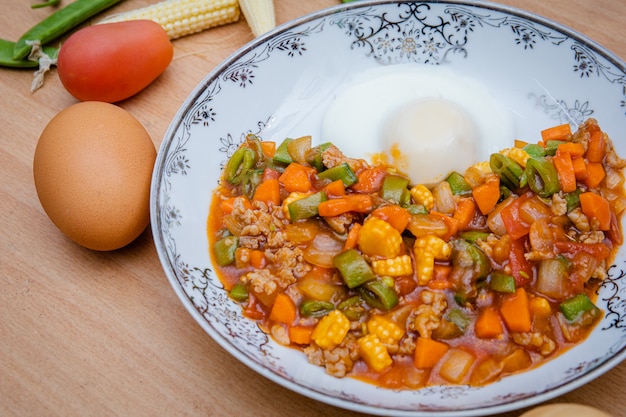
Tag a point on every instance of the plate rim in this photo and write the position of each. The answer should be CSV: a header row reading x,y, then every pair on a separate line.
x,y
168,269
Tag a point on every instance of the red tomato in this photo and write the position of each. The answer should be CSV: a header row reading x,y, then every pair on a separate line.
x,y
113,61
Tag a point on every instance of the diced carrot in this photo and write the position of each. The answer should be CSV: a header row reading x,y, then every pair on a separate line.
x,y
228,205
597,208
516,312
283,309
370,180
360,203
565,169
596,147
580,168
487,194
560,132
296,178
488,324
268,148
595,174
428,352
398,217
257,259
574,149
520,143
335,189
300,335
268,192
353,237
465,211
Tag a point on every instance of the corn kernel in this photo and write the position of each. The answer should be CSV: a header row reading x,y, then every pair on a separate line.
x,y
331,330
387,331
422,195
394,267
374,353
379,238
440,249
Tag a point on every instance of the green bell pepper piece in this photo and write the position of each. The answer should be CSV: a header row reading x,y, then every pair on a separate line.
x,y
573,308
281,156
507,169
458,185
225,250
501,282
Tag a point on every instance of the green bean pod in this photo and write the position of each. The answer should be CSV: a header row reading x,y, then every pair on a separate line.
x,y
242,160
379,295
542,177
6,56
58,23
507,169
315,308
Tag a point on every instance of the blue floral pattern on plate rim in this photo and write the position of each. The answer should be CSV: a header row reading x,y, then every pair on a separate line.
x,y
279,84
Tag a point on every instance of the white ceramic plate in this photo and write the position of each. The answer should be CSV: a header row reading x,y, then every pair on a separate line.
x,y
280,84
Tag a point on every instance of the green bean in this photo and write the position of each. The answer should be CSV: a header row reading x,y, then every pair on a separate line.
x,y
542,177
307,207
58,23
6,56
379,295
242,161
315,308
341,172
353,268
507,169
46,4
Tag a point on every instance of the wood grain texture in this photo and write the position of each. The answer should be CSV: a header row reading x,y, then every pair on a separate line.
x,y
103,334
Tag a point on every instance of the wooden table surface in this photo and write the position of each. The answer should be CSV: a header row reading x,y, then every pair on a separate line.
x,y
84,333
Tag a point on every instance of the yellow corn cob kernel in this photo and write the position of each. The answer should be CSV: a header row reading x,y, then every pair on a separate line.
x,y
374,353
387,331
426,249
394,267
424,265
259,14
518,155
422,195
184,17
379,238
331,330
440,249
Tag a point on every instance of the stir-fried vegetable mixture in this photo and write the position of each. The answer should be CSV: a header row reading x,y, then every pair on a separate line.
x,y
490,272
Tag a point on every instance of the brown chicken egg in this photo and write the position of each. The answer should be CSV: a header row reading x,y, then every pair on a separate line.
x,y
92,169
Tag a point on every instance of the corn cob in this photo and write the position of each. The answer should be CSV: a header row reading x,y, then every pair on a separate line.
x,y
331,330
184,17
393,267
422,195
387,331
379,238
259,14
374,353
427,249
